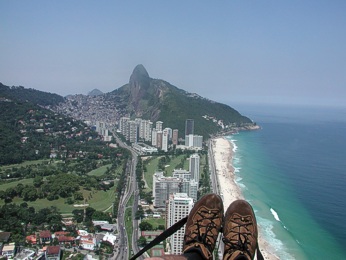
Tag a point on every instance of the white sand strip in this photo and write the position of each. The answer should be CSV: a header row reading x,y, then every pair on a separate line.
x,y
230,191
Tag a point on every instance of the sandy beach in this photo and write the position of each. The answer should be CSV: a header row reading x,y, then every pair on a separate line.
x,y
222,150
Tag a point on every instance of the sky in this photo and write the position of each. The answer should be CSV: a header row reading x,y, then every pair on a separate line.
x,y
259,52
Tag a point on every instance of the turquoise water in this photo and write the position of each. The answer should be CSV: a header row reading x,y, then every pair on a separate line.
x,y
293,173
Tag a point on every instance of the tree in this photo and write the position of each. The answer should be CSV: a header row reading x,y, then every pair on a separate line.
x,y
29,193
78,196
161,227
142,241
99,215
144,226
38,180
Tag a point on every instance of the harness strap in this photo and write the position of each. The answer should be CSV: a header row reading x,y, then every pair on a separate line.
x,y
168,232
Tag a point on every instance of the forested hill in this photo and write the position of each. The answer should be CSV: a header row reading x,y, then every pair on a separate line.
x,y
30,132
30,95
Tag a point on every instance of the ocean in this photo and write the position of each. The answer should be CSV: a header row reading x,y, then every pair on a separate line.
x,y
293,172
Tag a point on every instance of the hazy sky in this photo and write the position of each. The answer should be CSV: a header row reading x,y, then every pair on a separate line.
x,y
290,52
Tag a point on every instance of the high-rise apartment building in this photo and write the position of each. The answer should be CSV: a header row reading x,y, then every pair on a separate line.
x,y
194,141
194,167
123,125
175,137
189,185
163,187
189,126
159,139
145,127
132,133
154,137
170,133
179,206
159,125
165,137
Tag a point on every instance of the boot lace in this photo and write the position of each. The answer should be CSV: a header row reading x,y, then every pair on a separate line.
x,y
239,240
205,221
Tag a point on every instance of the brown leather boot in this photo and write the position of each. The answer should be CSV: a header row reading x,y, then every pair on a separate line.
x,y
203,226
240,231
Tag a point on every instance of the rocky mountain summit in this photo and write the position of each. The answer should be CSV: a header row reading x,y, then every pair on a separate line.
x,y
156,99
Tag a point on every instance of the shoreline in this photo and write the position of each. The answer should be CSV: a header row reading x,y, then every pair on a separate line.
x,y
229,190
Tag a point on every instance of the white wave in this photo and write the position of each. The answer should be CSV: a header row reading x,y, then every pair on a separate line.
x,y
236,160
237,169
241,185
268,233
235,147
238,179
275,214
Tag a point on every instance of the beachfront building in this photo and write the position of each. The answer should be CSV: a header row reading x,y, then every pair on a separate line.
x,y
163,187
193,189
194,141
179,206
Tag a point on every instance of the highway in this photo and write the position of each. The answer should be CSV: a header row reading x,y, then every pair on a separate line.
x,y
131,188
215,186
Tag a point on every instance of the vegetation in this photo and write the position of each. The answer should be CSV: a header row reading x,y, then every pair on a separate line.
x,y
29,132
30,95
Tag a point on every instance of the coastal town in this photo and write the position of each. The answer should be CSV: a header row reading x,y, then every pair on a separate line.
x,y
181,188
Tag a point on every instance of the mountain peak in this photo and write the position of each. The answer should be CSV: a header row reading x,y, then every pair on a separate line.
x,y
95,92
139,76
140,70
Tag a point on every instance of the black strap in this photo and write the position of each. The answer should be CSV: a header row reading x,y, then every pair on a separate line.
x,y
259,255
171,230
168,232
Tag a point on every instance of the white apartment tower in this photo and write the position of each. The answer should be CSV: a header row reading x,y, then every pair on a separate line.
x,y
163,187
132,133
189,186
159,125
165,137
194,167
154,137
170,133
179,206
145,129
194,141
123,125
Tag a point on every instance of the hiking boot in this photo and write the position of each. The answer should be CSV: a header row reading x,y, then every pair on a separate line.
x,y
203,226
240,231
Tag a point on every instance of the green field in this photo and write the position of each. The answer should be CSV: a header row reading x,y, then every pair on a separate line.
x,y
23,164
173,164
101,200
15,183
99,171
155,222
97,199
